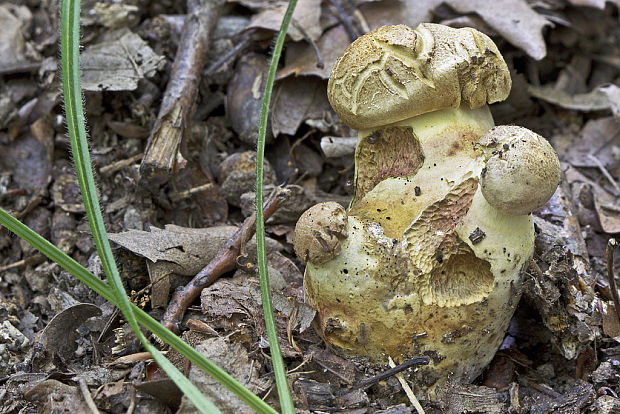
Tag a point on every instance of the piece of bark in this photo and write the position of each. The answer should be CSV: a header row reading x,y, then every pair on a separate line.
x,y
162,154
570,402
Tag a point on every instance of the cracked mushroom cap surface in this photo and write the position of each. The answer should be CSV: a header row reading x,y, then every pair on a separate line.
x,y
318,232
394,73
523,173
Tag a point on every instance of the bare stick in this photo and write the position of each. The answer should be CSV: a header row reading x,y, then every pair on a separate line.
x,y
412,398
338,146
307,38
238,48
421,360
119,165
87,396
606,173
224,262
344,19
611,246
32,260
173,121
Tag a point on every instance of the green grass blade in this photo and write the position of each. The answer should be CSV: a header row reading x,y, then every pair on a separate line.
x,y
76,124
99,286
286,402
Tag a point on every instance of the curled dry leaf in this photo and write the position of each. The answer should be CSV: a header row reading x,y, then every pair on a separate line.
x,y
60,334
179,250
56,397
245,93
297,99
301,57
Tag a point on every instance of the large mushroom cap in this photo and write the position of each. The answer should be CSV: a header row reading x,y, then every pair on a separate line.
x,y
394,73
523,173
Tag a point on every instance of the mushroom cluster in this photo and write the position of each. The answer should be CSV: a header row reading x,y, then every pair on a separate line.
x,y
428,258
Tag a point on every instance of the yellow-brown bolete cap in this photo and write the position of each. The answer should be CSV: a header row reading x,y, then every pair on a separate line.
x,y
395,73
523,173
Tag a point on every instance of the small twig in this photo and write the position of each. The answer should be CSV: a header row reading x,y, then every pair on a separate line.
x,y
188,193
361,20
119,165
136,68
543,388
173,121
606,173
345,19
408,390
19,67
87,396
238,48
224,262
610,207
131,358
307,38
13,192
421,360
611,246
36,259
292,318
32,204
132,401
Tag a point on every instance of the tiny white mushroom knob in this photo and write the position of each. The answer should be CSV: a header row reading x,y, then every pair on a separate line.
x,y
319,231
523,172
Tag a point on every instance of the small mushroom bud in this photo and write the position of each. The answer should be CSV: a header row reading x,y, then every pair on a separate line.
x,y
523,173
236,175
319,231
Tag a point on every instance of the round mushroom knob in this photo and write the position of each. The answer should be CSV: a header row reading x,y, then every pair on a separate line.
x,y
523,173
319,231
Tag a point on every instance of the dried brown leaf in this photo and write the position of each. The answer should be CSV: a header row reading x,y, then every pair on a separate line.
x,y
118,62
234,359
409,12
60,334
306,15
55,397
515,20
301,58
297,99
604,203
594,100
